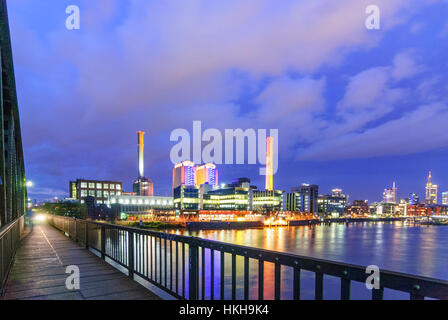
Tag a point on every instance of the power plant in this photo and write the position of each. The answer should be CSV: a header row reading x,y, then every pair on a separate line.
x,y
142,186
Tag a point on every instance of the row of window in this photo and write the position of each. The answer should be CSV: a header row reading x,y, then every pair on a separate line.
x,y
98,185
99,193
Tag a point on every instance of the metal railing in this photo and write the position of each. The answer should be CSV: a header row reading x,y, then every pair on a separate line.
x,y
161,259
9,242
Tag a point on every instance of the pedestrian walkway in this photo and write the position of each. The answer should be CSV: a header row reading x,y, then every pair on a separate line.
x,y
39,272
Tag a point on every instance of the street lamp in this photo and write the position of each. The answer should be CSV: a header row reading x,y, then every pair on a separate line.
x,y
29,183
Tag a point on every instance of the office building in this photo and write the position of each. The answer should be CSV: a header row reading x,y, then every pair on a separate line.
x,y
358,208
390,194
186,199
228,198
99,189
309,200
445,198
184,174
413,199
266,201
332,205
431,191
141,204
207,173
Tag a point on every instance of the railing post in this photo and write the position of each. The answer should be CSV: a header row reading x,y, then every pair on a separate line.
x,y
103,242
86,236
193,271
131,254
76,230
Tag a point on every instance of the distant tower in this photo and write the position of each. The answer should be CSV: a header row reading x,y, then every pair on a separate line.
x,y
269,163
142,186
140,145
431,191
390,194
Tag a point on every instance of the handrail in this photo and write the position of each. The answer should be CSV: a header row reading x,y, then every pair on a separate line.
x,y
9,242
143,256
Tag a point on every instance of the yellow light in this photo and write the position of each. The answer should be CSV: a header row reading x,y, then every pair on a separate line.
x,y
40,217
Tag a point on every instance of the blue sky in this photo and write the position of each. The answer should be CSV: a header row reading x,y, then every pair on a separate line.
x,y
355,108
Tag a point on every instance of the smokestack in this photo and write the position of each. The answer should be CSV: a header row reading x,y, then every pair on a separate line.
x,y
269,163
141,166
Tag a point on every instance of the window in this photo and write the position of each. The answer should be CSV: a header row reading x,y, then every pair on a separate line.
x,y
91,185
99,186
83,193
83,184
118,187
118,193
106,193
112,186
99,194
106,185
112,193
92,193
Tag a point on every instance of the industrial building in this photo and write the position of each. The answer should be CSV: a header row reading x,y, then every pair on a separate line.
x,y
142,186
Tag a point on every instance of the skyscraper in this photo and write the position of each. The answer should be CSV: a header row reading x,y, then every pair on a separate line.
x,y
390,194
184,174
445,198
309,194
431,191
207,173
269,163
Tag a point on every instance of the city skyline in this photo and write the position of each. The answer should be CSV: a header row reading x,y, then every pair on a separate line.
x,y
355,108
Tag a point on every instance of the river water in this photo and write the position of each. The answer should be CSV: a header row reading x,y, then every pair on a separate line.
x,y
396,246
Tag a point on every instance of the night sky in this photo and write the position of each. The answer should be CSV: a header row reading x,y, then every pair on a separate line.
x,y
355,108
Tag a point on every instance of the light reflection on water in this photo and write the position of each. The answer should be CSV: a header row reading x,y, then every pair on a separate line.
x,y
397,246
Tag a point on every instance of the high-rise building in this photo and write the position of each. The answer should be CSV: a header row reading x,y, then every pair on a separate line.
x,y
445,198
309,197
184,174
431,191
332,205
142,186
413,199
390,194
207,173
266,200
269,163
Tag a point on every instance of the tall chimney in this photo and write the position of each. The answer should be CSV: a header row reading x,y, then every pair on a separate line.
x,y
269,163
141,166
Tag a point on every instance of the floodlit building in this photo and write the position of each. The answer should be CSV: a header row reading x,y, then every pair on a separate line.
x,y
227,198
308,199
141,204
266,200
184,174
390,194
99,189
186,199
431,191
445,198
413,199
207,173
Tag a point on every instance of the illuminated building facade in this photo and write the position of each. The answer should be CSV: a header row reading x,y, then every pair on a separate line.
x,y
309,197
445,198
207,173
267,200
332,205
413,199
431,191
228,198
184,174
186,199
390,194
358,208
269,164
100,190
141,204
